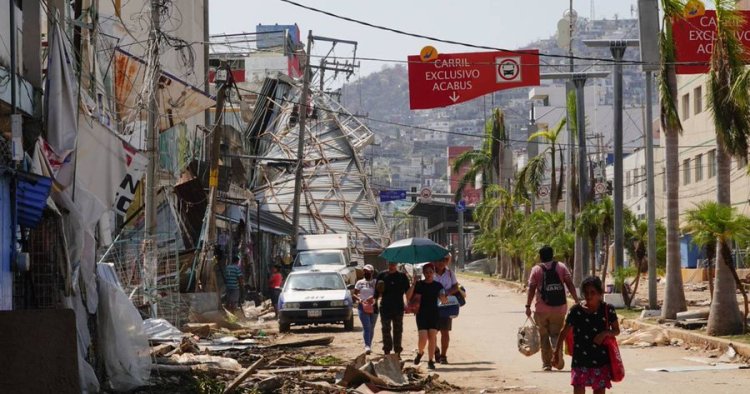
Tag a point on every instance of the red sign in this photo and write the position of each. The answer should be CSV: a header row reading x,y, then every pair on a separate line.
x,y
694,41
457,77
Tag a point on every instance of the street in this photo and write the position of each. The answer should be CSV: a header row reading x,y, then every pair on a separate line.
x,y
483,353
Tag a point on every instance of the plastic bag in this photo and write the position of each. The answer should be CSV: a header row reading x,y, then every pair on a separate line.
x,y
528,338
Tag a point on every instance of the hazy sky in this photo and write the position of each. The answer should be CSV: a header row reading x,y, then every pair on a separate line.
x,y
498,23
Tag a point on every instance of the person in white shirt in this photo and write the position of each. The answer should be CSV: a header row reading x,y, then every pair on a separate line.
x,y
447,278
364,293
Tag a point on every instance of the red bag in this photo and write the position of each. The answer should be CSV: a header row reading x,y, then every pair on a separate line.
x,y
569,343
414,303
616,366
368,307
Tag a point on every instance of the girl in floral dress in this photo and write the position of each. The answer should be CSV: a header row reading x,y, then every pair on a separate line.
x,y
591,322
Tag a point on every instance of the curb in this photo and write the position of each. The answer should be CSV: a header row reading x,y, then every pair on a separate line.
x,y
692,338
503,282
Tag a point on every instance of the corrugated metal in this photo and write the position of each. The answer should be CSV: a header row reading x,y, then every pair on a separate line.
x,y
31,198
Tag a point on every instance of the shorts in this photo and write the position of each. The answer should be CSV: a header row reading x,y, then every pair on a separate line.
x,y
233,296
427,322
596,378
445,323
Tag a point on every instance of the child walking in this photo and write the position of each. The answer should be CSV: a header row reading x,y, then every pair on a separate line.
x,y
591,322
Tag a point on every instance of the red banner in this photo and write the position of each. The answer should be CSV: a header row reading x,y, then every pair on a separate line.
x,y
458,77
694,41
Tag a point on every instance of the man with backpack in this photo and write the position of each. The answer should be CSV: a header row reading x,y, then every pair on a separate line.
x,y
547,282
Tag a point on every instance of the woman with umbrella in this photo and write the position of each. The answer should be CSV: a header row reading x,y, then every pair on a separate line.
x,y
413,251
430,292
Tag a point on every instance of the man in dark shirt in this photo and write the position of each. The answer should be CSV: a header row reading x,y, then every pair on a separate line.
x,y
391,287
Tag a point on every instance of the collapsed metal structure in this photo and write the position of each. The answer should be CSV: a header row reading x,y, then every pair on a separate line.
x,y
336,194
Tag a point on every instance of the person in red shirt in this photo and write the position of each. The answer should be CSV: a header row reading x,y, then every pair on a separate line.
x,y
274,286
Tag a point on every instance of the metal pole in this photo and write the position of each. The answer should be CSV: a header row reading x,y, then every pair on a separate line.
x,y
13,60
461,247
570,155
301,143
618,51
650,196
152,136
583,188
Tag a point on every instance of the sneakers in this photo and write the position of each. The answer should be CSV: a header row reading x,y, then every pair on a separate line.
x,y
546,368
418,358
368,350
431,365
443,360
437,353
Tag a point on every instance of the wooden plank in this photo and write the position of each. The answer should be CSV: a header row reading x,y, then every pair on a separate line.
x,y
323,341
243,375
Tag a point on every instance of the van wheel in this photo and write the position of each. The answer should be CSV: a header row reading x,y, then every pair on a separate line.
x,y
285,327
349,324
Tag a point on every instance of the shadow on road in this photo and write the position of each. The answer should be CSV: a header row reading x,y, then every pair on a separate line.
x,y
473,363
323,329
471,369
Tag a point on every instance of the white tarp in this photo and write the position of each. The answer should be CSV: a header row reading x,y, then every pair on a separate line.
x,y
61,104
108,167
124,345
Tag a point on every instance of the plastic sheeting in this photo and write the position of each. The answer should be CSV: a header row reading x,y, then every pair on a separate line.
x,y
124,345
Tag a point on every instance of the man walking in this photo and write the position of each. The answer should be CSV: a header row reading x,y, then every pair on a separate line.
x,y
547,283
447,278
391,286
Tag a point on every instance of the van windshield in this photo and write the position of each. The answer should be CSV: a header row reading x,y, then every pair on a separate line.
x,y
320,257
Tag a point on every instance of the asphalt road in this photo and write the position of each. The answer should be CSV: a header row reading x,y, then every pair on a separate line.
x,y
483,353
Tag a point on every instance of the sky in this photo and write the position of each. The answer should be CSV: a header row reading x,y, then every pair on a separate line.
x,y
498,23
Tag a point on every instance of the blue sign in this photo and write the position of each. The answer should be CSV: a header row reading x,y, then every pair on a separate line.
x,y
392,195
461,206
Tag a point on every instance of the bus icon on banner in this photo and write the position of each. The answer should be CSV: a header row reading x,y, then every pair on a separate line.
x,y
508,69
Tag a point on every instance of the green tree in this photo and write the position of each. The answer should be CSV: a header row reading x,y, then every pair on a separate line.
x,y
709,222
729,100
597,219
674,298
532,176
485,161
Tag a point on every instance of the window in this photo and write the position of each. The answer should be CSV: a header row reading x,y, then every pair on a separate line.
x,y
627,185
712,163
642,181
698,168
698,100
686,172
686,106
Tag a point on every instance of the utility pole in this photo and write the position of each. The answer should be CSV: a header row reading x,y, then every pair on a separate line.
x,y
648,20
336,66
224,77
152,132
617,47
301,142
461,245
579,81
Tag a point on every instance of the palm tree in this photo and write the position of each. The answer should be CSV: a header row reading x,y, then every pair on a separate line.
x,y
712,221
487,160
597,218
636,241
729,101
531,177
674,298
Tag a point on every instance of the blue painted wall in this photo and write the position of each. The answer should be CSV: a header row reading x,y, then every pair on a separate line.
x,y
6,244
689,253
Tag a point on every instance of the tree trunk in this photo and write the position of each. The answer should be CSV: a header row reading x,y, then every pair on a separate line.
x,y
635,286
674,299
577,264
553,182
592,256
605,262
725,317
728,259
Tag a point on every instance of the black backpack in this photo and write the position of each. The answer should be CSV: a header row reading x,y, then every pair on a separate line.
x,y
553,289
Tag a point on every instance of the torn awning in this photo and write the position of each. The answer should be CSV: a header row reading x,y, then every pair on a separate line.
x,y
178,100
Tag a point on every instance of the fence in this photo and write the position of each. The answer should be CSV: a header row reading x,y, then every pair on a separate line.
x,y
149,272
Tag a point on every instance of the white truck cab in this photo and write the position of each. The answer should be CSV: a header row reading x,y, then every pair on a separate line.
x,y
326,253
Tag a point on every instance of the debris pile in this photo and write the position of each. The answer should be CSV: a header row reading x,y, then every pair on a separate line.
x,y
221,356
